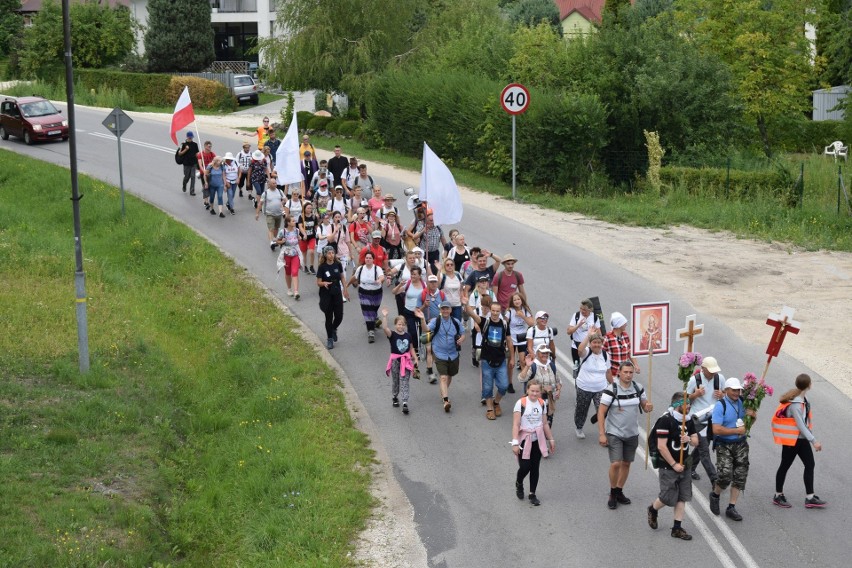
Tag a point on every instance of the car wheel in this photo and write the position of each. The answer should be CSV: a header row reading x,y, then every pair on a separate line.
x,y
3,134
255,101
28,139
65,139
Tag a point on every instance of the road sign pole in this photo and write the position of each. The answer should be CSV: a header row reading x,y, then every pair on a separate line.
x,y
120,168
514,166
79,273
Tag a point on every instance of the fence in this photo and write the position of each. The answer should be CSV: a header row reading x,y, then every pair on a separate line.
x,y
225,77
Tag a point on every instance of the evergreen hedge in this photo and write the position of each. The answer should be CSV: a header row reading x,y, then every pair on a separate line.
x,y
318,123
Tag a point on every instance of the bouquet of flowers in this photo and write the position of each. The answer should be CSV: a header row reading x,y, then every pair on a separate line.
x,y
686,366
754,391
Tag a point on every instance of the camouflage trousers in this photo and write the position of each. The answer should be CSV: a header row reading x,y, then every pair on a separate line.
x,y
732,464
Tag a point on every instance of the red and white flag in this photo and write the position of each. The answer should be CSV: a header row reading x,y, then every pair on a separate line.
x,y
183,115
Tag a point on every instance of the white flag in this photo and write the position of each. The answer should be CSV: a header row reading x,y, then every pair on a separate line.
x,y
287,162
438,187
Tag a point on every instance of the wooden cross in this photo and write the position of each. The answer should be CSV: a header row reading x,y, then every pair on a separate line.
x,y
689,333
782,324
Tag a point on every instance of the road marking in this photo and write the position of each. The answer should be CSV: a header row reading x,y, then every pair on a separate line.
x,y
132,141
721,554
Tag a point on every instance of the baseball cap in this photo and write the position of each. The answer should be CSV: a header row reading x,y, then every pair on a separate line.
x,y
323,183
432,278
543,348
711,365
483,278
445,304
733,383
541,314
376,234
190,135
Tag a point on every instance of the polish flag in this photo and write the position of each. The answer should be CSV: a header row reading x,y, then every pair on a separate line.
x,y
183,115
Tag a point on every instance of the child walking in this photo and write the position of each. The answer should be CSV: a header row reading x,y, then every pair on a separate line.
x,y
401,361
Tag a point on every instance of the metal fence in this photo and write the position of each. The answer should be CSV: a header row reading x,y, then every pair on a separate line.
x,y
225,77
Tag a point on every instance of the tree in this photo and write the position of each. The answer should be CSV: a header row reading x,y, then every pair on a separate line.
x,y
540,57
613,10
339,45
533,12
100,36
834,43
11,25
651,78
179,36
765,46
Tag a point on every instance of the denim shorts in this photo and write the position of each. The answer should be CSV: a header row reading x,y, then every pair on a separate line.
x,y
494,376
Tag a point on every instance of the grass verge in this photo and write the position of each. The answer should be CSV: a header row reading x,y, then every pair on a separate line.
x,y
816,225
206,432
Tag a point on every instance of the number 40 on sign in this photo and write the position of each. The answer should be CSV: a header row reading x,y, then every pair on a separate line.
x,y
515,98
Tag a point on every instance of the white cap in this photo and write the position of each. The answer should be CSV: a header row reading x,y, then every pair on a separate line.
x,y
711,365
733,383
617,320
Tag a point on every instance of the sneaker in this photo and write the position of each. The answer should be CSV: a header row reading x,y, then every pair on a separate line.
x,y
622,499
334,335
511,389
652,517
489,414
296,296
681,534
306,270
311,270
212,211
732,513
290,293
519,489
695,475
714,503
272,245
206,206
241,193
612,503
417,373
497,411
580,434
395,402
781,501
329,343
345,300
447,406
231,209
371,336
482,401
184,189
518,366
534,500
815,503
433,378
222,215
474,362
405,408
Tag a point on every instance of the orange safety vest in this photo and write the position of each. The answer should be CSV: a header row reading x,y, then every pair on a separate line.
x,y
784,429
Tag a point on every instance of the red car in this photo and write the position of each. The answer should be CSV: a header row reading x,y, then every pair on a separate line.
x,y
32,119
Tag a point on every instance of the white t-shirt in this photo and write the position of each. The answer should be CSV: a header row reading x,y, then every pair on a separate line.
x,y
539,337
323,231
592,377
368,278
413,297
272,202
232,171
582,331
517,325
533,416
452,288
295,207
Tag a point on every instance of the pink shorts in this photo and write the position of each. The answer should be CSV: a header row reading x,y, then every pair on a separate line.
x,y
291,266
308,244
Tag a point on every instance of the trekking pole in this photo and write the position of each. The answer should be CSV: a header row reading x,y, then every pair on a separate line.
x,y
648,416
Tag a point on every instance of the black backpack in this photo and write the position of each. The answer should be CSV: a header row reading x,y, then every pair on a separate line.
x,y
653,451
616,397
178,157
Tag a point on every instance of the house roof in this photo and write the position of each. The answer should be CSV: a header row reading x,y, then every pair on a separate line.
x,y
589,9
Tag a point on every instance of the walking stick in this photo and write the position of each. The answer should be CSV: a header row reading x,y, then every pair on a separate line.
x,y
683,423
648,416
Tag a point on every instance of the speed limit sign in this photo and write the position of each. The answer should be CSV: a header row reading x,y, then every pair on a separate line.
x,y
515,98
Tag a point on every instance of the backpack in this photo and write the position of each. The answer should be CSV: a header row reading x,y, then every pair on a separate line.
x,y
424,292
444,280
541,401
699,376
589,354
178,157
438,325
361,268
484,332
618,397
653,452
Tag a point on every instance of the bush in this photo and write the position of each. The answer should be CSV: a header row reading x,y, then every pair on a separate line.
x,y
144,89
348,127
303,117
333,126
206,94
715,183
318,122
801,134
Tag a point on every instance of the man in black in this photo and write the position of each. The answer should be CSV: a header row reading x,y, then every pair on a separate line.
x,y
493,368
188,151
338,165
674,434
273,143
480,268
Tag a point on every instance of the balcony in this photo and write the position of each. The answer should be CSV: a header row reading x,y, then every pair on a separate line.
x,y
233,6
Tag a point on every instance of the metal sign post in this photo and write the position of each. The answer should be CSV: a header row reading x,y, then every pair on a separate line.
x,y
514,99
118,122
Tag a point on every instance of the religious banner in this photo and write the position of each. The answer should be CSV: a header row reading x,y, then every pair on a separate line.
x,y
650,328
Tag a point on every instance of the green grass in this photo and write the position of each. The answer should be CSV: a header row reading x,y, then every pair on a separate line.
x,y
206,432
266,98
816,225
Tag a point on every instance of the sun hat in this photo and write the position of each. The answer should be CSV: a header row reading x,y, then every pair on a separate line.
x,y
246,144
733,383
388,197
543,348
228,156
711,365
617,320
417,249
257,155
509,258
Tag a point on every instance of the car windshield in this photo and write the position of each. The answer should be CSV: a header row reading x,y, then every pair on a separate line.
x,y
243,81
38,108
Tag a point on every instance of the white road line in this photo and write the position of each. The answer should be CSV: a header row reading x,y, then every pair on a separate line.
x,y
132,141
721,554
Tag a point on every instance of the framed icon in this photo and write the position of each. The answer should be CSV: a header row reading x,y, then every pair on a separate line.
x,y
650,326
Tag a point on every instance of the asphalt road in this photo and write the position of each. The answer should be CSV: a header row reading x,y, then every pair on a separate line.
x,y
457,469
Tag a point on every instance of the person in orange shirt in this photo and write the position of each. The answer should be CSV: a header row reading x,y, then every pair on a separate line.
x,y
263,133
